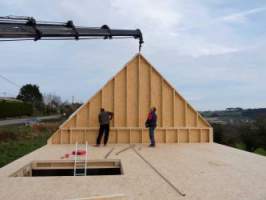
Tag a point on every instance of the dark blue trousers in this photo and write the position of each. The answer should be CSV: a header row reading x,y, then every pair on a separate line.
x,y
151,133
104,129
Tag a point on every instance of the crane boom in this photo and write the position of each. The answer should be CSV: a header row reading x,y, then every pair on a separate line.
x,y
27,28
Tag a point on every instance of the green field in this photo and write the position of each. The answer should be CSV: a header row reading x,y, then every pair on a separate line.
x,y
16,141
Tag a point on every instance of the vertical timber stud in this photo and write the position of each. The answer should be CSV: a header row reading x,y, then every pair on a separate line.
x,y
113,102
130,136
197,119
83,138
114,90
186,120
126,70
189,133
177,135
60,134
150,103
70,135
85,135
162,118
116,136
201,140
88,114
173,109
76,120
101,98
139,122
165,136
141,134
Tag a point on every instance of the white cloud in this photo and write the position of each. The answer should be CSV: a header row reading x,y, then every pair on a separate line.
x,y
197,48
154,13
241,17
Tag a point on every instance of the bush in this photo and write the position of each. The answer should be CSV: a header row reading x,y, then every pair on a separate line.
x,y
14,109
260,151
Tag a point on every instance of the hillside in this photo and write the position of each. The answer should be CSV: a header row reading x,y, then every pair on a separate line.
x,y
234,115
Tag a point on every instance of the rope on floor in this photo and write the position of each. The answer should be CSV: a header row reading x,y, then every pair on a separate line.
x,y
108,154
162,176
130,146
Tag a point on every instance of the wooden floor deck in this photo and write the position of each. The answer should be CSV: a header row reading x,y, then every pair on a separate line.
x,y
200,171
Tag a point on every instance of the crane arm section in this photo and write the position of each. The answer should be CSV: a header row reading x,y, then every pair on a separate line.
x,y
20,28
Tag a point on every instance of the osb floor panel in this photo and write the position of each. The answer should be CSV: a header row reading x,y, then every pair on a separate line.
x,y
201,171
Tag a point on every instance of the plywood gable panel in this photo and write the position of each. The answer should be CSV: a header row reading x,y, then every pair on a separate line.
x,y
191,117
108,97
156,94
120,99
180,114
95,106
144,92
81,117
167,105
130,94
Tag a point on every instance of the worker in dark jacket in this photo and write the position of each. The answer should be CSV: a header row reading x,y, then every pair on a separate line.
x,y
151,123
104,121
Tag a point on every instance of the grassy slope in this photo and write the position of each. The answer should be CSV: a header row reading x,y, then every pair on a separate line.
x,y
16,141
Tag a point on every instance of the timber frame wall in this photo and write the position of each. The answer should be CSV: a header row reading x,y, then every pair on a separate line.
x,y
130,94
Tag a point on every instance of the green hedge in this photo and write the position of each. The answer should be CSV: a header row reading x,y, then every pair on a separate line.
x,y
14,109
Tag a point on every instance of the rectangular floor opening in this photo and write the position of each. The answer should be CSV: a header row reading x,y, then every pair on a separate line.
x,y
66,168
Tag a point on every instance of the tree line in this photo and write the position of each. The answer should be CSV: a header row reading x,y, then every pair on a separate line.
x,y
31,102
247,136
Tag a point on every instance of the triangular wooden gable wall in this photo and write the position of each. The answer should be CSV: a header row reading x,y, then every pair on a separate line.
x,y
130,94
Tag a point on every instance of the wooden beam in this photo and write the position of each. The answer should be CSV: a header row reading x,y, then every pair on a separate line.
x,y
197,119
70,136
126,95
139,111
186,114
141,134
177,135
165,136
150,88
189,139
60,135
161,117
173,110
88,114
130,135
114,93
101,98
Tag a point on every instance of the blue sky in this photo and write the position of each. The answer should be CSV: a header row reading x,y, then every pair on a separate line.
x,y
212,51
